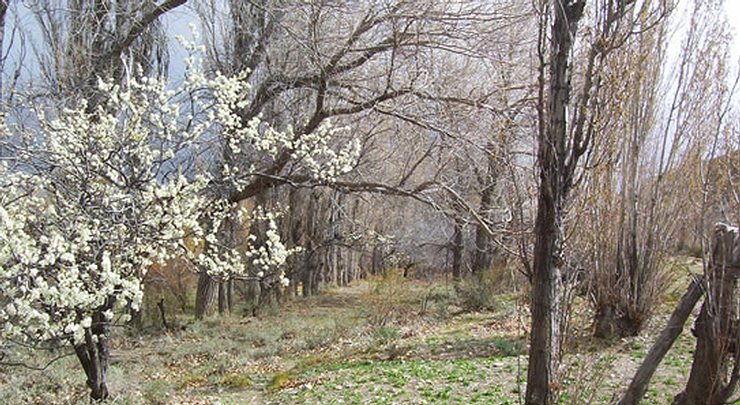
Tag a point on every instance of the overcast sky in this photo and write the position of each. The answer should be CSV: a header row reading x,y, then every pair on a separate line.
x,y
733,15
177,20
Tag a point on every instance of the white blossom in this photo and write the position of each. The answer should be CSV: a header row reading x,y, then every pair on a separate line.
x,y
106,192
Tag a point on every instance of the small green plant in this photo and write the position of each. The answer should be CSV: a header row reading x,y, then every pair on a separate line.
x,y
193,380
319,337
279,381
585,379
386,334
314,360
436,300
508,347
236,380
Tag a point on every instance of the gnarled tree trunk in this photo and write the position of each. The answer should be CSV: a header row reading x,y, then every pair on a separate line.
x,y
713,378
638,385
94,355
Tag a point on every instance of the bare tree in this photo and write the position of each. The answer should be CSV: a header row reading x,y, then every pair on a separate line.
x,y
4,4
561,145
311,62
83,40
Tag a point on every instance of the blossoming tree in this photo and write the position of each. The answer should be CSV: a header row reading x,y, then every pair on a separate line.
x,y
92,196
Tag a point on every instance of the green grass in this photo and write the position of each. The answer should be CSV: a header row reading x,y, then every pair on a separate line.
x,y
331,349
479,380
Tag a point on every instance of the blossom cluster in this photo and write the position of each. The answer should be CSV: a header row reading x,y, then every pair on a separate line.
x,y
316,154
94,195
268,258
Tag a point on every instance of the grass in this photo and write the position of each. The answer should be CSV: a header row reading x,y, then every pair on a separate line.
x,y
349,346
404,381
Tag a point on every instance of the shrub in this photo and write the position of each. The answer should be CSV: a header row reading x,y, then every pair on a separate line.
x,y
436,299
478,292
319,337
386,301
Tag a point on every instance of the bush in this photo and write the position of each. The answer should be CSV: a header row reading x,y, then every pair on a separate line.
x,y
279,381
386,301
321,336
436,300
478,292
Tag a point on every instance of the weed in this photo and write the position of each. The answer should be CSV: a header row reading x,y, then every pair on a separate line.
x,y
436,299
193,380
279,381
236,380
385,335
385,303
157,392
320,337
508,347
585,378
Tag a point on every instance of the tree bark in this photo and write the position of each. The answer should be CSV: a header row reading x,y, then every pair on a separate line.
x,y
457,250
94,355
221,298
546,301
160,305
545,338
611,323
3,11
137,318
712,380
204,295
670,333
483,258
230,296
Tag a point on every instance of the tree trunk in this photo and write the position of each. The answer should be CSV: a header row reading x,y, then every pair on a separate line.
x,y
3,11
137,318
307,280
315,279
483,257
204,295
545,338
160,305
555,180
230,295
252,295
457,250
610,323
712,379
94,356
670,333
221,298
